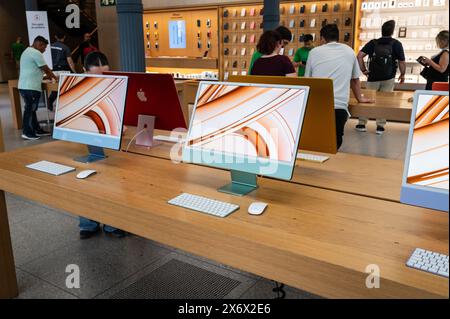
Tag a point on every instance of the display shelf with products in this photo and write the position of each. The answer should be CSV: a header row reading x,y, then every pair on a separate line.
x,y
242,27
417,24
183,43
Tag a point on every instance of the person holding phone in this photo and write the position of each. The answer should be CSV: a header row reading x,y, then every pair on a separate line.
x,y
301,56
436,67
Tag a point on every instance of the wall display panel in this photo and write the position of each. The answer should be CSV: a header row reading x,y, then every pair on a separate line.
x,y
242,27
184,35
418,23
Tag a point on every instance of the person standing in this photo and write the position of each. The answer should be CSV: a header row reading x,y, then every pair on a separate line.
x,y
84,48
62,61
32,67
286,36
385,55
272,63
96,63
17,49
436,69
61,55
301,56
338,62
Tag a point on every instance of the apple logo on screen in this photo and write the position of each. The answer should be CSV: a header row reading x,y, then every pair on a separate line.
x,y
141,96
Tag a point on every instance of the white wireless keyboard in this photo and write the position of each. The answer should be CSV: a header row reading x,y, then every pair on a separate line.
x,y
170,139
429,261
51,168
204,205
312,157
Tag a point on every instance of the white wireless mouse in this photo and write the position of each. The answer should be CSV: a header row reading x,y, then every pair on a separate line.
x,y
257,208
86,173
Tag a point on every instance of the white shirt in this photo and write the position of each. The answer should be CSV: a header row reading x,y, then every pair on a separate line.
x,y
338,62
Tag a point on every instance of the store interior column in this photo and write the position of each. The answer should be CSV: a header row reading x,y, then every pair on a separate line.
x,y
31,5
271,14
132,51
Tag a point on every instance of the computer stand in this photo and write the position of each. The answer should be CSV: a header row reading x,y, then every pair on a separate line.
x,y
95,154
242,183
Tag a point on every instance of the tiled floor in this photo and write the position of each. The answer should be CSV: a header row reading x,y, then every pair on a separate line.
x,y
45,241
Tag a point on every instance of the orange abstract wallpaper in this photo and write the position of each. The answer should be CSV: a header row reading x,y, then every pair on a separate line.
x,y
429,163
249,121
91,104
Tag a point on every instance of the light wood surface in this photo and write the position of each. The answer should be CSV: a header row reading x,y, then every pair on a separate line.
x,y
313,239
2,143
319,126
393,106
8,283
14,96
349,173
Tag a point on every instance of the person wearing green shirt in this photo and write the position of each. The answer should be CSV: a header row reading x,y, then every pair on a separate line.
x,y
301,56
286,35
17,49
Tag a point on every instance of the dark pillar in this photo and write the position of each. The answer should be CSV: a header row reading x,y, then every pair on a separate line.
x,y
31,5
131,35
271,18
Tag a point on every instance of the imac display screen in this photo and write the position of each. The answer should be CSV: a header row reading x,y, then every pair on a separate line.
x,y
428,162
90,109
177,34
248,121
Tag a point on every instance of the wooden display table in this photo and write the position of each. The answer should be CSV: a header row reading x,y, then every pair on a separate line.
x,y
349,173
14,96
313,239
2,142
393,106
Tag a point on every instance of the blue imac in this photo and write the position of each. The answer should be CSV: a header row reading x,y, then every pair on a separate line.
x,y
90,110
249,129
426,171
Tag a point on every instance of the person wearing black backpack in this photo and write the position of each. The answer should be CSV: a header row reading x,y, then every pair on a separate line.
x,y
386,54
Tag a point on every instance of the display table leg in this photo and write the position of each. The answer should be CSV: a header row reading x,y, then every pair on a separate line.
x,y
8,280
16,108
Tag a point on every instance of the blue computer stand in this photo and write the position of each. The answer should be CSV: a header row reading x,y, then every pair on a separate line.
x,y
242,183
95,154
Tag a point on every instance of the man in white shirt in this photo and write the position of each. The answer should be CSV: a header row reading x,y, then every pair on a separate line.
x,y
338,62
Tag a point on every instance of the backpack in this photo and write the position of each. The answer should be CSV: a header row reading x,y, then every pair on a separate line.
x,y
382,65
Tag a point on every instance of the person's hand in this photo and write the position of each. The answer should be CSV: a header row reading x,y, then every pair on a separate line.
x,y
366,73
401,79
426,61
363,99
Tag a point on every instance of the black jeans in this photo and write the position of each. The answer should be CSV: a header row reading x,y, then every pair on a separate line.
x,y
51,100
341,120
30,122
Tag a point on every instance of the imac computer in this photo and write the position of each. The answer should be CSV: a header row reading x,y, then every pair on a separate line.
x,y
90,111
152,95
249,129
425,177
319,127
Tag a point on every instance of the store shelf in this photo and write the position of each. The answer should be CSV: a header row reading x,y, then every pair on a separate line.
x,y
182,62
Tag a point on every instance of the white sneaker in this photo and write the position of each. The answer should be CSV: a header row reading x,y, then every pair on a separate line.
x,y
29,137
380,130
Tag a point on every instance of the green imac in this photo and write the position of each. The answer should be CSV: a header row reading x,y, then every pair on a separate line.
x,y
249,129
